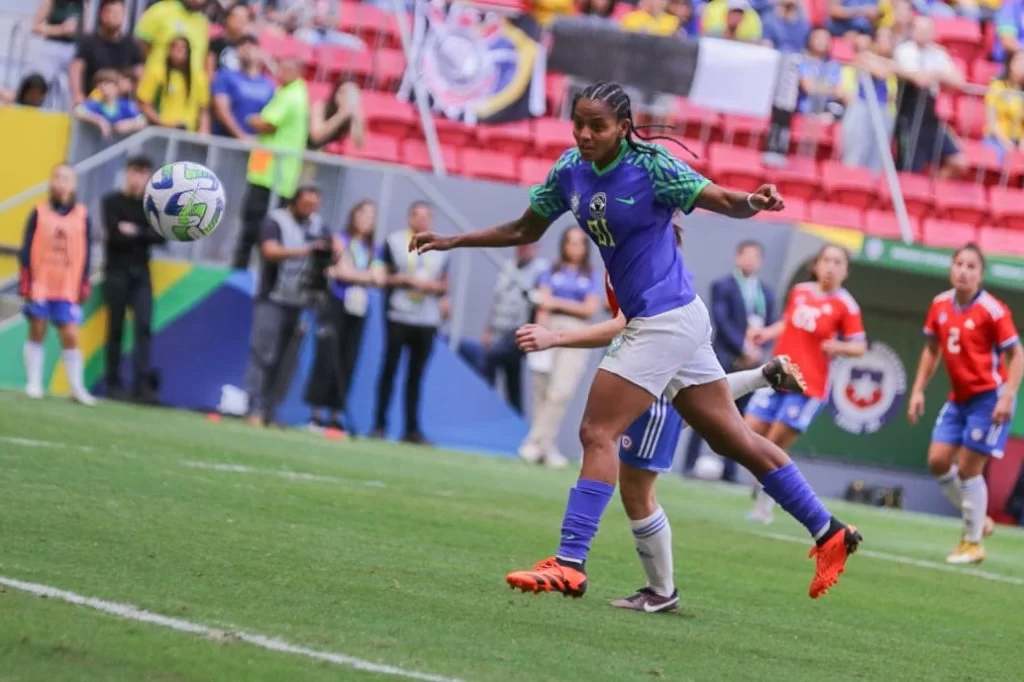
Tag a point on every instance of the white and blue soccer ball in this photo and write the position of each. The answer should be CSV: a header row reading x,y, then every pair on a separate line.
x,y
184,201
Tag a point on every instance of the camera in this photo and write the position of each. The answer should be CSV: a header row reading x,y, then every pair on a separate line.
x,y
320,259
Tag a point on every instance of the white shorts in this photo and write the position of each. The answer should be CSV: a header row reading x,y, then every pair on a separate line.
x,y
667,352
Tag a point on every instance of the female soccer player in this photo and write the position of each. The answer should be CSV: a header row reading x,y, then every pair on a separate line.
x,y
54,262
624,192
647,449
971,328
821,321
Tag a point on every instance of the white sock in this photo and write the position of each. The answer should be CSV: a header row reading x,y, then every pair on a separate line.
x,y
653,538
746,381
73,366
950,485
974,508
763,502
33,356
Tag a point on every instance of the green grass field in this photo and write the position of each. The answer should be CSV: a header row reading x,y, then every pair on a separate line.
x,y
396,555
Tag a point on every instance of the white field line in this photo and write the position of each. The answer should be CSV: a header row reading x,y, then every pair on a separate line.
x,y
129,612
290,475
30,443
907,561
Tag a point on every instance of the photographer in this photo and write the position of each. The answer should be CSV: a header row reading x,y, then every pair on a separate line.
x,y
296,250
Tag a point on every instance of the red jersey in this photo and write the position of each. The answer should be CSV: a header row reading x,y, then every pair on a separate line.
x,y
811,318
972,339
613,302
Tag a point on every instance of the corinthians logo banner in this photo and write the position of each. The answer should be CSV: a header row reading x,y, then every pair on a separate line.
x,y
476,67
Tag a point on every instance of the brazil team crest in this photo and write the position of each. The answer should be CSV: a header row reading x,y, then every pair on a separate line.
x,y
475,66
866,392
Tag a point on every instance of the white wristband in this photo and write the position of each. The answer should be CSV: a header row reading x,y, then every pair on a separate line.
x,y
750,203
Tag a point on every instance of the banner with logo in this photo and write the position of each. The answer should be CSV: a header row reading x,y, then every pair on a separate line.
x,y
477,67
1000,271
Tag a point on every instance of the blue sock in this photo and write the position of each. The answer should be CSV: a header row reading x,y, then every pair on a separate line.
x,y
790,489
587,502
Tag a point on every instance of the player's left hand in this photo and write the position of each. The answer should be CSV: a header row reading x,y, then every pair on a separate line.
x,y
831,347
429,241
767,198
532,337
1003,409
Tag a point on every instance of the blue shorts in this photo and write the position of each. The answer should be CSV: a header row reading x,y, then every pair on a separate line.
x,y
792,409
59,312
970,424
650,442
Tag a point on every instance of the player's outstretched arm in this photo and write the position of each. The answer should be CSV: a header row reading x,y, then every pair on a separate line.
x,y
735,204
926,367
525,229
532,337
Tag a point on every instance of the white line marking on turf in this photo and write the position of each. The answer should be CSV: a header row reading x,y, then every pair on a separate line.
x,y
129,612
30,443
291,475
908,561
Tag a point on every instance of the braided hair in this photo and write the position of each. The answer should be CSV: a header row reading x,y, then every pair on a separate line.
x,y
615,96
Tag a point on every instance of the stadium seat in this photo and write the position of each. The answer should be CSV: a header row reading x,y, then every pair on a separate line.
x,y
414,153
334,62
533,171
1001,240
945,108
799,178
982,160
808,133
962,37
917,194
555,92
886,225
552,136
319,91
278,46
796,211
453,133
377,148
509,138
1007,207
849,185
984,71
735,166
697,122
835,215
377,28
946,234
386,114
745,131
488,165
388,69
963,202
970,116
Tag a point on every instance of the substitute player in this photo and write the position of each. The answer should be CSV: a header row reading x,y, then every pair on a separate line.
x,y
624,192
970,329
54,262
821,321
647,449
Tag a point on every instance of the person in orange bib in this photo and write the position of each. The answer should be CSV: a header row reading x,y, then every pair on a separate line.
x,y
54,262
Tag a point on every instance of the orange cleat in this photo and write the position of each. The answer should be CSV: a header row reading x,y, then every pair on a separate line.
x,y
830,559
550,576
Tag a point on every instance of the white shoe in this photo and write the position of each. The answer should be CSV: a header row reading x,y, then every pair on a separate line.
x,y
530,453
555,460
34,392
762,511
83,397
760,516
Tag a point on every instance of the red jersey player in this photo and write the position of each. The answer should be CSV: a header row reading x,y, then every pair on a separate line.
x,y
822,320
971,328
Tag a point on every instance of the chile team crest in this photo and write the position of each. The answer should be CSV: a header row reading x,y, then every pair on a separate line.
x,y
866,392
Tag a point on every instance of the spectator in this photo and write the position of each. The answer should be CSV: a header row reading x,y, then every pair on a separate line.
x,y
32,91
416,284
128,238
510,309
287,237
731,20
821,88
902,21
924,66
241,93
1004,108
651,16
168,19
107,48
340,329
223,49
860,140
58,23
174,93
282,125
313,23
567,296
603,9
110,106
342,114
1009,21
688,21
546,11
741,304
787,28
853,16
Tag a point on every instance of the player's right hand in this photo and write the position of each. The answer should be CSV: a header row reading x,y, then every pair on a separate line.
x,y
429,241
915,407
533,337
767,198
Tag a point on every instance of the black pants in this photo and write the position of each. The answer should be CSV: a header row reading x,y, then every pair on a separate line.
x,y
419,341
504,355
123,289
693,448
338,338
255,208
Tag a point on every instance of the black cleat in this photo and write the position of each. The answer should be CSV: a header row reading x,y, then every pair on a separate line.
x,y
783,375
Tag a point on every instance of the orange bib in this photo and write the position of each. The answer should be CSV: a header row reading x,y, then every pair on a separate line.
x,y
58,254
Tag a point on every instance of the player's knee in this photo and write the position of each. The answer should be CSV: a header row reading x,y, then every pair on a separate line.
x,y
595,436
939,465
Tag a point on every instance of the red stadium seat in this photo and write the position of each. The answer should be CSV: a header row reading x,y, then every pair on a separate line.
x,y
970,116
835,215
334,63
555,91
376,27
508,138
487,165
1007,207
843,50
963,202
386,114
849,185
278,46
319,91
377,148
796,211
886,225
697,122
735,166
453,133
799,178
984,72
552,136
945,234
389,68
945,107
807,132
414,153
917,194
983,160
962,37
745,131
533,171
1001,240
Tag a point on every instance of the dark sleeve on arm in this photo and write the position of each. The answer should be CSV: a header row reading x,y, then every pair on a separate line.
x,y
728,335
25,255
769,305
388,258
111,218
270,231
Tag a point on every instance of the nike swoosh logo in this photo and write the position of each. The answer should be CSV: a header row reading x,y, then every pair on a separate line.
x,y
654,609
628,202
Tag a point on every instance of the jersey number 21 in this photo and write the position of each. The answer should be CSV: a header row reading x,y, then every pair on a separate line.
x,y
602,235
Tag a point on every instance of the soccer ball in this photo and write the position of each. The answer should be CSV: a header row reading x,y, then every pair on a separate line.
x,y
708,467
184,201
